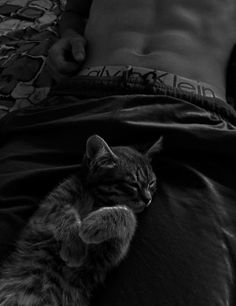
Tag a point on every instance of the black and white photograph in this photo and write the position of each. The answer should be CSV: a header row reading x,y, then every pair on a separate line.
x,y
117,153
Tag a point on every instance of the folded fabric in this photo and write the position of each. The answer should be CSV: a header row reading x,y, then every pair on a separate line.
x,y
184,249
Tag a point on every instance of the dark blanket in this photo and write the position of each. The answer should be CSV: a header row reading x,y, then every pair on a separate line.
x,y
183,253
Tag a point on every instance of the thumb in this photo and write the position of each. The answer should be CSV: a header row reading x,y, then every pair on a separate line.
x,y
78,48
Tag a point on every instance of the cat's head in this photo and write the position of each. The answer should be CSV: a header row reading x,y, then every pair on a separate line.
x,y
119,175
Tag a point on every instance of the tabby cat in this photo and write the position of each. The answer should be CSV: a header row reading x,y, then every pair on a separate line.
x,y
80,231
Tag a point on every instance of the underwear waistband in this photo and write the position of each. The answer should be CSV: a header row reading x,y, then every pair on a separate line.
x,y
152,76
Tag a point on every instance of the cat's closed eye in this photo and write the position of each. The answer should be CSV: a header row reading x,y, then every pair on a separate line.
x,y
152,184
129,187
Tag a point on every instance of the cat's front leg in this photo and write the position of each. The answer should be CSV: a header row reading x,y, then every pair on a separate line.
x,y
58,215
107,223
61,221
73,249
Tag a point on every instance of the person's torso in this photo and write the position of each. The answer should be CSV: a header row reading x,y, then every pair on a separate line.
x,y
187,37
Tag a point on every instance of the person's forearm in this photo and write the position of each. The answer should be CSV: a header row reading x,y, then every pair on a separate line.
x,y
75,16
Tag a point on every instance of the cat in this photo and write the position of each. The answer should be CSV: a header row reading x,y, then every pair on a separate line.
x,y
81,230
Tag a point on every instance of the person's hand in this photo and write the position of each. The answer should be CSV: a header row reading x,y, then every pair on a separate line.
x,y
67,55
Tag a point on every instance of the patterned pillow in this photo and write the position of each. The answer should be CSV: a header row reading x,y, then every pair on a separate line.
x,y
27,29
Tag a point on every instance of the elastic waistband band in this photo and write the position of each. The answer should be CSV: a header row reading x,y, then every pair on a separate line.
x,y
152,76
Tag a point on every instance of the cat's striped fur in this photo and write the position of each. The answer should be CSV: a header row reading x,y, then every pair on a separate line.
x,y
80,231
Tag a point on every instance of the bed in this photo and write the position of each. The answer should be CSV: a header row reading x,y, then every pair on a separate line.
x,y
184,251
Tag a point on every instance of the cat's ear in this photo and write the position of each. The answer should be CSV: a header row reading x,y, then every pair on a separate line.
x,y
97,148
155,148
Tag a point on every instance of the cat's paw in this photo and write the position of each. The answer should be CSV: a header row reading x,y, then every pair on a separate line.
x,y
106,223
73,249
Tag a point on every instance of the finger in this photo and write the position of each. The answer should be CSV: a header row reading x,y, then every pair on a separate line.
x,y
78,49
57,58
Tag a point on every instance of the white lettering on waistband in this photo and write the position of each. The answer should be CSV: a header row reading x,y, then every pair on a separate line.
x,y
153,76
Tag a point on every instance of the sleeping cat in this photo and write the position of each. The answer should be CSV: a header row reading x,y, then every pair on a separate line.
x,y
81,230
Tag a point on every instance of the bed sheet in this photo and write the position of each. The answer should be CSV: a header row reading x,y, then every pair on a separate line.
x,y
184,250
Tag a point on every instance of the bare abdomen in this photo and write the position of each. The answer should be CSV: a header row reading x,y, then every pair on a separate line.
x,y
171,39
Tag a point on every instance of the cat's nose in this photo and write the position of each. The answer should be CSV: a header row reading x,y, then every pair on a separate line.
x,y
147,197
148,203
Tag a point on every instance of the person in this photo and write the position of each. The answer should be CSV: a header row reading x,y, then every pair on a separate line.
x,y
186,39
